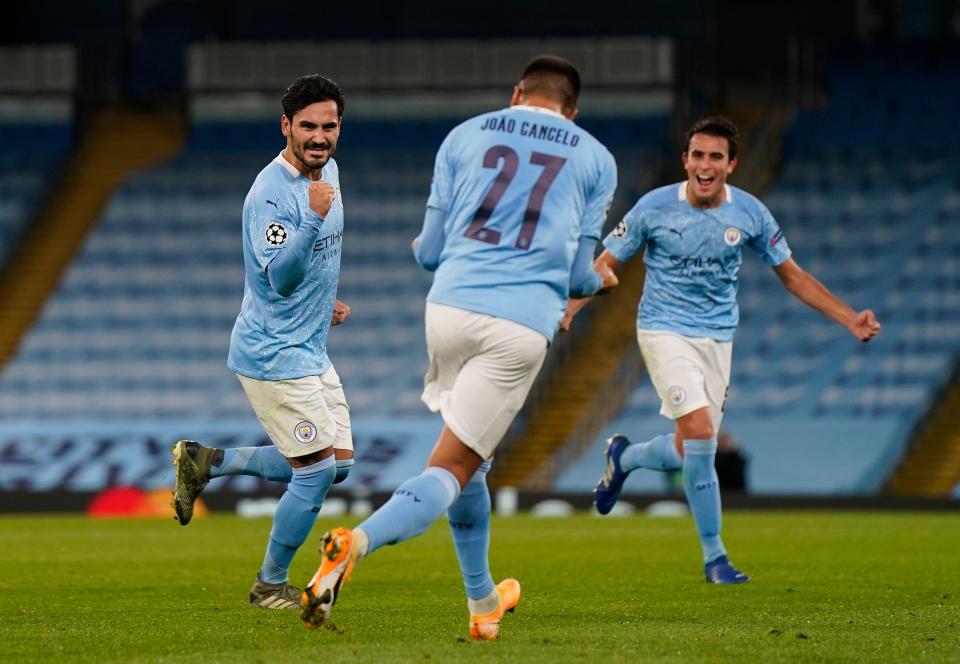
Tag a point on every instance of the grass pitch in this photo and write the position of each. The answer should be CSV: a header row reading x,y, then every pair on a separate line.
x,y
826,586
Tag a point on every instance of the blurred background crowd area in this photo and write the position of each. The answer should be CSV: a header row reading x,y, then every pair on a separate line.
x,y
131,130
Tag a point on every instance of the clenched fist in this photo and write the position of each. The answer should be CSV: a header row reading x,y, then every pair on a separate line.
x,y
322,194
864,326
340,312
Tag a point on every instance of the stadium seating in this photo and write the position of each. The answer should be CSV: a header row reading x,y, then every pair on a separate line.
x,y
869,205
138,331
32,153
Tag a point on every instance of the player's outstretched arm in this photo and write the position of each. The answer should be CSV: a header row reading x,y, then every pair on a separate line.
x,y
863,324
604,265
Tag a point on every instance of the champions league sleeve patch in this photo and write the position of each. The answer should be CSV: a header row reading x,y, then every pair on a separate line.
x,y
276,234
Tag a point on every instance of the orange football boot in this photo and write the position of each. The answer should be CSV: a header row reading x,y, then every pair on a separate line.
x,y
487,628
338,553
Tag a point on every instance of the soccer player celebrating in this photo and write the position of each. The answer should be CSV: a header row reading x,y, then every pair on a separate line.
x,y
694,233
292,232
518,200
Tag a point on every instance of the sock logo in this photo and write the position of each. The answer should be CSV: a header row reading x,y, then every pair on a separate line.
x,y
461,525
407,492
701,486
316,509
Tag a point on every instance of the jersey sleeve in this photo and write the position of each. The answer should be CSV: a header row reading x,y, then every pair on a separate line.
x,y
270,223
769,243
600,198
630,235
441,187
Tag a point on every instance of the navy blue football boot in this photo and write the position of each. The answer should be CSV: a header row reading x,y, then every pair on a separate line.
x,y
607,491
722,572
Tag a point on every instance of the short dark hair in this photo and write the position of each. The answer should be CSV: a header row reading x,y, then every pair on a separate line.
x,y
554,77
308,90
717,126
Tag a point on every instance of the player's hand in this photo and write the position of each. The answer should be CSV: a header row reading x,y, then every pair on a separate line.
x,y
567,319
322,194
864,326
606,273
340,312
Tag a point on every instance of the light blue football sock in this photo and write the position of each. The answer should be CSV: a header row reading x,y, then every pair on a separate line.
x,y
659,453
296,512
265,462
343,470
415,505
469,518
703,494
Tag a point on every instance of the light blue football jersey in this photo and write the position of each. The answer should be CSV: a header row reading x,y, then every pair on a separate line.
x,y
275,337
693,256
520,187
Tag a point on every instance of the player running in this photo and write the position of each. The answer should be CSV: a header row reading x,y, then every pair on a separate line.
x,y
516,207
292,232
694,233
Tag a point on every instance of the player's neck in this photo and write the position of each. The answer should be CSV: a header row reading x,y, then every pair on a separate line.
x,y
706,203
540,102
300,166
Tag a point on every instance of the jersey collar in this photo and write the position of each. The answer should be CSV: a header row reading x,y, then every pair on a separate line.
x,y
682,192
539,109
287,165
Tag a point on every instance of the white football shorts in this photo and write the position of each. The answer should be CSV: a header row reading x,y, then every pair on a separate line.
x,y
688,373
481,370
302,415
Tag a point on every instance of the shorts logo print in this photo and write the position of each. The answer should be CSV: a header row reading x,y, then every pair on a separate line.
x,y
732,236
305,432
676,394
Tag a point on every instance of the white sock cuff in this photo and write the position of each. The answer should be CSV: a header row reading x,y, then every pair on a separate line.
x,y
449,482
693,446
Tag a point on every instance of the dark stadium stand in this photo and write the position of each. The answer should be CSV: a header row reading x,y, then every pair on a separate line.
x,y
31,156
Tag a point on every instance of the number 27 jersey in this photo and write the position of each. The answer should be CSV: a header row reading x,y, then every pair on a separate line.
x,y
519,187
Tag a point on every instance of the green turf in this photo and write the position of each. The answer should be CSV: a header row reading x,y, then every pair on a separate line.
x,y
827,587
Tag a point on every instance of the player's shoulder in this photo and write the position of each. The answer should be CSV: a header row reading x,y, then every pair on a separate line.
x,y
272,186
658,199
747,203
332,169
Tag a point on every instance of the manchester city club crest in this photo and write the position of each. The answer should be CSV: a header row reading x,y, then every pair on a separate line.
x,y
305,432
677,395
732,236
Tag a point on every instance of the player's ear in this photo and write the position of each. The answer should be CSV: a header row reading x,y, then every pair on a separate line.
x,y
570,115
732,166
517,93
285,125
